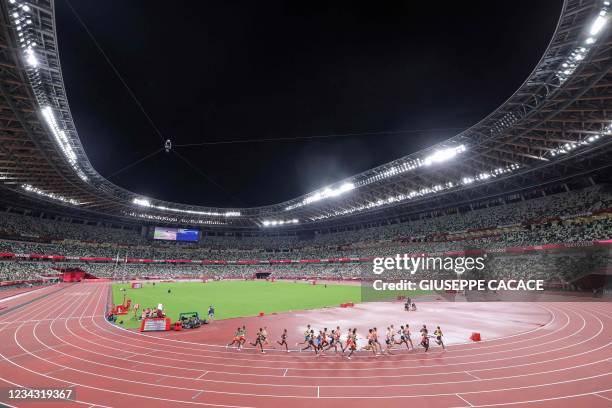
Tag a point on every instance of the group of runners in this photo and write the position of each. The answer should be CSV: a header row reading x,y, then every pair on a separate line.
x,y
324,340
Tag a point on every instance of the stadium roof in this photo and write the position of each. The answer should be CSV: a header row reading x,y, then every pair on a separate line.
x,y
557,125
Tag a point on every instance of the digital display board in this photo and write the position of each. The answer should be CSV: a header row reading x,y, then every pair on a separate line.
x,y
176,234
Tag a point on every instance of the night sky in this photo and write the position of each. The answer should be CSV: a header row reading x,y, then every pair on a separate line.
x,y
227,71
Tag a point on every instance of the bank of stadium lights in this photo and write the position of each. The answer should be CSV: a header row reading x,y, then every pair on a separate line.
x,y
31,189
568,147
504,123
278,223
164,218
438,156
443,155
143,202
425,191
20,13
491,174
62,141
327,192
26,37
579,53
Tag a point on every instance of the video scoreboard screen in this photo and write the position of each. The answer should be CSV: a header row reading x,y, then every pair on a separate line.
x,y
176,234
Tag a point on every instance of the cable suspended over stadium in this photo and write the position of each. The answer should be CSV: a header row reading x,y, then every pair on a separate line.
x,y
557,125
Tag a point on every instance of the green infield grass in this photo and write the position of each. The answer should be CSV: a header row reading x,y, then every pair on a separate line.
x,y
235,298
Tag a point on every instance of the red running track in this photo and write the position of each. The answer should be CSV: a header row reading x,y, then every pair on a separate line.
x,y
62,340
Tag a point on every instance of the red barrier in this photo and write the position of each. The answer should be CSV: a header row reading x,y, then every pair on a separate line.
x,y
475,336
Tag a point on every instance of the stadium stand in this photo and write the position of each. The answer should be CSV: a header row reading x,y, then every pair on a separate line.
x,y
573,218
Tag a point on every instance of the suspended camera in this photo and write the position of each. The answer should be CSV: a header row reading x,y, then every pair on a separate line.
x,y
168,146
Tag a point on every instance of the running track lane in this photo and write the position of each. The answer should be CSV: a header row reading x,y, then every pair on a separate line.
x,y
62,340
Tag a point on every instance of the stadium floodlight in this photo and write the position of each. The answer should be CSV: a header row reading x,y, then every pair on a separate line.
x,y
569,66
274,223
568,147
32,60
327,192
443,155
31,189
399,167
599,23
425,191
62,141
147,203
164,218
142,201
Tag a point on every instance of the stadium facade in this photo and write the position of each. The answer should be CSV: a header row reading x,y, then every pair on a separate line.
x,y
554,132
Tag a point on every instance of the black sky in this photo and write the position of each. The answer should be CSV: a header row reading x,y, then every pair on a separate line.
x,y
215,71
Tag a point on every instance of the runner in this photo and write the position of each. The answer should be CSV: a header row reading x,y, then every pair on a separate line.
x,y
265,336
283,341
377,342
349,333
259,340
390,339
351,342
319,342
306,336
371,342
334,340
310,341
243,334
424,338
404,333
236,339
438,334
324,341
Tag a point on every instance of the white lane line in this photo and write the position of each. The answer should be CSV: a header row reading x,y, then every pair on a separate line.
x,y
202,375
464,400
540,400
44,320
29,292
56,371
606,398
318,391
197,394
285,373
472,375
